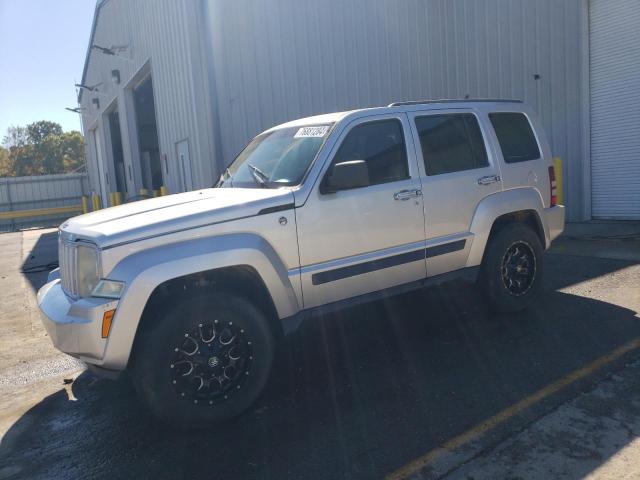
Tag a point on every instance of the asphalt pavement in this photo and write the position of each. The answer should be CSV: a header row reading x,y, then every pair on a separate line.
x,y
357,394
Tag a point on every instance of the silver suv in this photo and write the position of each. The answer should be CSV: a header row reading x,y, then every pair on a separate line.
x,y
191,292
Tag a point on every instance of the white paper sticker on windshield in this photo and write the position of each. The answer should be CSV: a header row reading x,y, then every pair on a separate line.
x,y
318,131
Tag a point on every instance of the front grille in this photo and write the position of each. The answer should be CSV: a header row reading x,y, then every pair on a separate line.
x,y
67,262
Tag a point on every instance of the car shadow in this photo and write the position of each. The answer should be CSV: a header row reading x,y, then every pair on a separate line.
x,y
41,257
354,394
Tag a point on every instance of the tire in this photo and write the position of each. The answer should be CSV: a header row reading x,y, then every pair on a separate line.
x,y
512,268
207,360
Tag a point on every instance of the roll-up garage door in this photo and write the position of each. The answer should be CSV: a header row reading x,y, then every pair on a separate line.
x,y
614,47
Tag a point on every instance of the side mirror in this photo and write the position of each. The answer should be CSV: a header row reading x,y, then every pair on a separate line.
x,y
347,175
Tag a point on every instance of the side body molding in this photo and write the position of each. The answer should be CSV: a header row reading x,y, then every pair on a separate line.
x,y
145,270
496,205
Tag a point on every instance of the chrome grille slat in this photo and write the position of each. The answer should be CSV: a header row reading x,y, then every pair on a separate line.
x,y
73,273
72,270
67,263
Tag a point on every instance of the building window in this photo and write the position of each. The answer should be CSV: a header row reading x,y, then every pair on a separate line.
x,y
516,138
381,145
451,143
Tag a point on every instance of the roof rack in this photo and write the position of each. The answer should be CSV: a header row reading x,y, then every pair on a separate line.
x,y
456,100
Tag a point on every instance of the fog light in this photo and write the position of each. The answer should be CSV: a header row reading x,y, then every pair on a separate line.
x,y
107,318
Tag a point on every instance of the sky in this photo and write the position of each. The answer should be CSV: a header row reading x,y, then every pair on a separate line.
x,y
42,49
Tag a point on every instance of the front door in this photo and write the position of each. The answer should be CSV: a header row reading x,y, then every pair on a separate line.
x,y
458,170
370,238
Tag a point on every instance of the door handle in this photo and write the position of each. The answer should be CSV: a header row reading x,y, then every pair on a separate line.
x,y
407,194
488,180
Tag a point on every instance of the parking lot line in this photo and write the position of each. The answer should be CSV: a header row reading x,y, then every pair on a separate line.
x,y
419,463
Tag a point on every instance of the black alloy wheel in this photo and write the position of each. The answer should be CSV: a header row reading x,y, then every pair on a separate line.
x,y
518,268
211,362
512,268
204,359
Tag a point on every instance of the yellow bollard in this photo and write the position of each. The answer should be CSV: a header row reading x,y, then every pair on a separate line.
x,y
111,200
557,167
117,196
95,200
164,191
144,192
85,204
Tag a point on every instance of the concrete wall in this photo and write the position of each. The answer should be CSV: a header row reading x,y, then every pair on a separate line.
x,y
274,60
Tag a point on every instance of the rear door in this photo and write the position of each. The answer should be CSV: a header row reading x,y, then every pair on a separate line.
x,y
457,169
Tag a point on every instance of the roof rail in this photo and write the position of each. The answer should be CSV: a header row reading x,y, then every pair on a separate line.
x,y
455,100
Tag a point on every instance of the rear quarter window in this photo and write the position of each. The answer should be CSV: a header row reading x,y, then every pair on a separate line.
x,y
515,136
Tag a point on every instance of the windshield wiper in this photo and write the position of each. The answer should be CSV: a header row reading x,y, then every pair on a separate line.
x,y
261,177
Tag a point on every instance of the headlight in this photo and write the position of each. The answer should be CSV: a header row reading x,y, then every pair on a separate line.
x,y
108,289
88,265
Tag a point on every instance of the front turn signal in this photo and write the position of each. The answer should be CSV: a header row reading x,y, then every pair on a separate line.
x,y
107,319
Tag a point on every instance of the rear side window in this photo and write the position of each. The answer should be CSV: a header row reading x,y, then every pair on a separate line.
x,y
451,143
381,145
515,135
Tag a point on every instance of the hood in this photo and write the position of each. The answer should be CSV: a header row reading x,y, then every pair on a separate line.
x,y
157,216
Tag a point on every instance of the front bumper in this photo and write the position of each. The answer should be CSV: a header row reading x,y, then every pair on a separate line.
x,y
554,219
74,326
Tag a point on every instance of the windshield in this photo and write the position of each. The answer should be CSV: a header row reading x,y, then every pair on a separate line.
x,y
277,158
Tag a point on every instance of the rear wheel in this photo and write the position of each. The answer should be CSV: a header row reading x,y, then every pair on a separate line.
x,y
208,360
512,268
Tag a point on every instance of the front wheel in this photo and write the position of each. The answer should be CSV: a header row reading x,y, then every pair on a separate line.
x,y
206,361
512,268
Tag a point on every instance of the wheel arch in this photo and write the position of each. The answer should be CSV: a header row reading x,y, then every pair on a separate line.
x,y
528,217
153,276
503,208
243,280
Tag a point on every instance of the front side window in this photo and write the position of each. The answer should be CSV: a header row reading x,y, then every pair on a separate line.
x,y
451,143
277,158
381,146
515,136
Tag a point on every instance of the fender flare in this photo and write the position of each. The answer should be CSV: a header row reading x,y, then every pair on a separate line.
x,y
496,205
145,270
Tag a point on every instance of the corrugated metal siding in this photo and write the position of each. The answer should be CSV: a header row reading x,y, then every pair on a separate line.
x,y
268,61
276,60
40,191
615,108
165,33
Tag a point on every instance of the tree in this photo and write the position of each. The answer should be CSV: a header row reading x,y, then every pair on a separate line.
x,y
20,151
6,165
15,137
41,148
39,131
72,145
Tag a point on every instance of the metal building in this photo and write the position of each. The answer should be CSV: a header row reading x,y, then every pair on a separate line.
x,y
182,85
